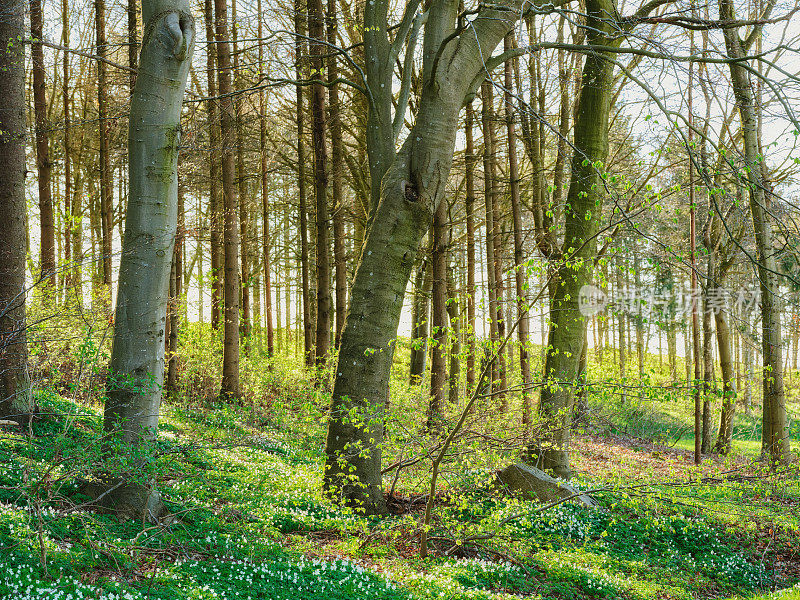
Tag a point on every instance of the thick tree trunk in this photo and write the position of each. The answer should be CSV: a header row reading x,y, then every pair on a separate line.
x,y
16,401
584,199
43,165
230,214
410,193
137,356
775,440
316,30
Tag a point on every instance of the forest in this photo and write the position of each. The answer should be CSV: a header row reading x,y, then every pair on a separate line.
x,y
399,299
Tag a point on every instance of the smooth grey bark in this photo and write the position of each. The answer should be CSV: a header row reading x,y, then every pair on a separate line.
x,y
410,192
15,394
136,372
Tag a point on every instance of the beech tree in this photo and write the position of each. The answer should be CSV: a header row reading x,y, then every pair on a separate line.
x,y
136,374
407,186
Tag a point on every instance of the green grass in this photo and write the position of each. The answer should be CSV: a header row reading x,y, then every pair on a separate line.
x,y
244,483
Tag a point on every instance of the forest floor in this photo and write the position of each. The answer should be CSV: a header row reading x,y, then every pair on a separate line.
x,y
250,522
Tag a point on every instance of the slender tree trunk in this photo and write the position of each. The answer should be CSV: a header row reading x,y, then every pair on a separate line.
x,y
137,356
133,42
16,400
708,359
334,118
245,303
469,202
316,30
488,193
725,435
227,114
308,333
43,165
439,243
453,376
175,292
520,273
265,216
423,282
215,202
69,217
106,189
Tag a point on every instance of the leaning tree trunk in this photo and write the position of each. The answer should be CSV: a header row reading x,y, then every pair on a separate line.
x,y
775,440
137,355
585,198
15,397
410,193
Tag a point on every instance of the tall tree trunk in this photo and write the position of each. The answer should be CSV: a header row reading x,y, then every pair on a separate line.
x,y
520,272
439,243
69,217
215,202
227,117
16,400
265,216
300,72
582,219
409,194
775,440
488,193
245,304
106,189
316,30
469,203
137,356
43,165
334,118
